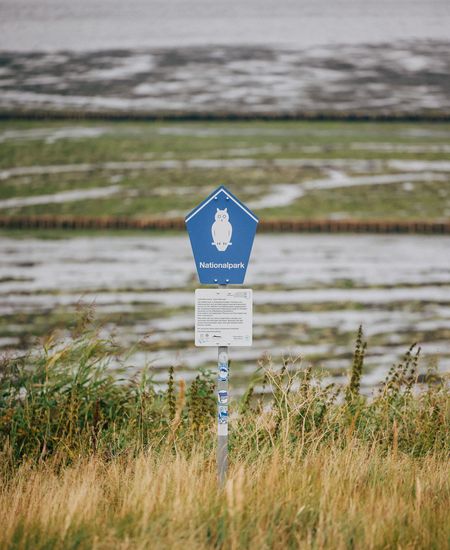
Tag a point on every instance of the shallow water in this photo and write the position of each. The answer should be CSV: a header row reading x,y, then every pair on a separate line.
x,y
103,24
321,288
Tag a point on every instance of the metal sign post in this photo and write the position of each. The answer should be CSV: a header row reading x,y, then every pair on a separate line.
x,y
223,373
222,413
221,230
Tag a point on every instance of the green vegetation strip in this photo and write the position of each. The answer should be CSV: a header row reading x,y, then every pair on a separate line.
x,y
64,400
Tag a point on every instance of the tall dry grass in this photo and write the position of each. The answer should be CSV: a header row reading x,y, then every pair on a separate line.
x,y
332,497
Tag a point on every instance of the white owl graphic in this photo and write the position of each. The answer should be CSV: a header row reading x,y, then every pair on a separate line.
x,y
221,230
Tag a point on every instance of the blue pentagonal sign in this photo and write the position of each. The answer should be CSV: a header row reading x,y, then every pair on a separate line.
x,y
222,230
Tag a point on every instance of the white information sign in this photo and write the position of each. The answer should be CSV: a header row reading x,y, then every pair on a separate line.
x,y
223,317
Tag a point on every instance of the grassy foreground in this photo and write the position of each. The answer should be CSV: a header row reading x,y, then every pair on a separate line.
x,y
89,460
324,497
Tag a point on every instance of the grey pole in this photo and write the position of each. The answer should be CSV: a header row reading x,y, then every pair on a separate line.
x,y
222,416
222,411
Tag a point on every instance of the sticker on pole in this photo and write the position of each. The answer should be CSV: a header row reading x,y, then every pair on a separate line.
x,y
221,230
223,317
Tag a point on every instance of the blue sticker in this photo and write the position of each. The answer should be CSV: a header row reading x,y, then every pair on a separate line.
x,y
223,372
223,397
223,414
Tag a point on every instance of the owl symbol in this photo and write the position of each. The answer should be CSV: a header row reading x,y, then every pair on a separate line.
x,y
221,230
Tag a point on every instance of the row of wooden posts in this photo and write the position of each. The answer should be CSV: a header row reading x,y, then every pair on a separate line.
x,y
266,226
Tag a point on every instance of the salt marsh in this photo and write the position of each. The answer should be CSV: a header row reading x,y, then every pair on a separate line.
x,y
311,291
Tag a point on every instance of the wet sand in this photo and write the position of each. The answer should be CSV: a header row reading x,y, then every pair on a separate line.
x,y
403,77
